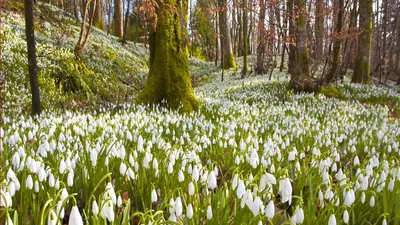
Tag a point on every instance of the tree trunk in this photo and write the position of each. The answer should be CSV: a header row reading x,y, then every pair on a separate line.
x,y
292,49
245,38
126,22
98,20
319,29
118,21
261,39
362,66
169,68
32,63
76,9
300,77
229,59
84,39
333,72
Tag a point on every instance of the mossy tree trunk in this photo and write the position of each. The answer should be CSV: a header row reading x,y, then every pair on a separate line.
x,y
245,38
362,66
169,68
229,59
32,63
300,76
84,38
118,25
261,39
333,72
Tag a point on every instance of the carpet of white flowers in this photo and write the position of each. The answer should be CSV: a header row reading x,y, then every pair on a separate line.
x,y
254,153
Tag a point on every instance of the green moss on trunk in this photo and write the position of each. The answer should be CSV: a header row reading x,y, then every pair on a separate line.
x,y
169,68
229,61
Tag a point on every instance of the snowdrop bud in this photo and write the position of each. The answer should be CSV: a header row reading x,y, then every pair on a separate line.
x,y
131,173
60,210
172,206
209,213
235,181
384,222
363,197
270,210
170,168
119,201
181,177
36,186
52,219
172,217
195,174
95,208
154,196
122,168
62,167
75,217
51,180
70,178
349,198
332,220
29,182
57,186
285,189
372,201
241,189
346,217
189,212
212,180
11,188
178,207
191,188
9,221
64,194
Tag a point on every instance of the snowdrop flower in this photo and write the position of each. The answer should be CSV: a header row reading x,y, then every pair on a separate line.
x,y
189,211
70,178
6,200
298,216
154,196
285,189
346,217
75,217
29,182
11,188
181,177
52,219
110,193
9,220
209,213
36,186
122,169
178,207
332,220
60,210
64,194
349,198
270,210
119,201
62,167
241,189
384,222
235,181
363,197
95,208
172,217
212,180
195,174
191,188
372,201
51,180
172,206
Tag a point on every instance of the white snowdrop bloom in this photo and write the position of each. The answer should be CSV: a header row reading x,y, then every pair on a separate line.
x,y
349,198
172,217
356,161
62,166
235,181
178,207
36,186
285,190
119,201
195,174
110,193
29,182
9,221
270,210
341,177
131,173
122,168
11,188
181,177
256,206
254,159
391,184
140,144
241,189
191,189
60,210
237,160
171,206
122,152
299,216
10,174
95,208
146,161
372,201
332,220
153,196
384,222
5,199
170,168
212,180
64,194
346,217
209,213
70,178
52,218
363,197
292,155
75,217
189,211
16,160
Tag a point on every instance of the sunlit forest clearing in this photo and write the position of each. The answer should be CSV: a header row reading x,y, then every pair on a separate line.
x,y
200,112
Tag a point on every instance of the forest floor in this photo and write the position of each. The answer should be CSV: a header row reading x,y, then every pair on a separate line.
x,y
254,151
